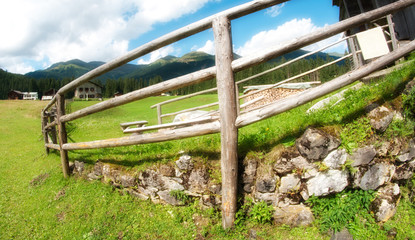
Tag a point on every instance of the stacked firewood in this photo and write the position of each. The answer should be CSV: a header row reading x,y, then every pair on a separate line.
x,y
270,95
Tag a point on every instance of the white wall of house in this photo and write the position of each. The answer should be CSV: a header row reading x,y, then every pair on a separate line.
x,y
88,90
30,96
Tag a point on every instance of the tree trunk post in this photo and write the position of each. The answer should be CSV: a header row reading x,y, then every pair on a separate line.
x,y
228,114
62,134
44,116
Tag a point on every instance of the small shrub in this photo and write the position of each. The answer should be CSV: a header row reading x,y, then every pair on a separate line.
x,y
355,133
342,210
181,196
261,213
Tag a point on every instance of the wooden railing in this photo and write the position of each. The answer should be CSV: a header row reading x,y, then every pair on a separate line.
x,y
229,120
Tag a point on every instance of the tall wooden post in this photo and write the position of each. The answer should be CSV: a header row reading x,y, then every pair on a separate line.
x,y
44,116
228,114
60,102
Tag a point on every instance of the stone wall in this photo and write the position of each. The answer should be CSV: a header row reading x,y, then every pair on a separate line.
x,y
314,166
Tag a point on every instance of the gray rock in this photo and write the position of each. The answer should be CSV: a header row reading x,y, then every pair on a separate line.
x,y
324,183
171,184
126,180
294,215
383,150
289,183
384,205
209,200
363,156
166,197
408,153
336,159
308,169
270,198
79,167
376,176
249,174
167,170
342,235
150,178
215,189
315,144
93,176
380,118
404,171
185,163
283,166
198,180
266,184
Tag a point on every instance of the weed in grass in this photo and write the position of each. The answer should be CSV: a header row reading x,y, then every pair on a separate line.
x,y
261,213
355,133
347,209
408,102
181,196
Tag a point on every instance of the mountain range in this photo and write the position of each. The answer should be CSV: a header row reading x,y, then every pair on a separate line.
x,y
167,67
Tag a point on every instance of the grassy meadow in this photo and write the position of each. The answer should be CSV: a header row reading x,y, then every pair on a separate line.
x,y
36,202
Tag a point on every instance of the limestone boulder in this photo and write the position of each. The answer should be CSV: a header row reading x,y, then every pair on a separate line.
x,y
363,156
198,180
294,215
266,184
386,201
315,144
185,162
289,183
380,118
249,174
377,175
336,159
332,181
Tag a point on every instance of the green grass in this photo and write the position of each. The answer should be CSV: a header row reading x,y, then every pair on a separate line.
x,y
37,203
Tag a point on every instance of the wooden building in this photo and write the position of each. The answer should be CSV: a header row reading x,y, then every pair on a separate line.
x,y
88,90
404,21
48,95
18,95
15,95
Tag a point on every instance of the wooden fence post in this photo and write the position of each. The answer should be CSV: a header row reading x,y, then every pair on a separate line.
x,y
44,116
228,114
62,134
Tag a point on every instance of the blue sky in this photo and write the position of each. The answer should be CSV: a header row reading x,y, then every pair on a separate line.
x,y
43,32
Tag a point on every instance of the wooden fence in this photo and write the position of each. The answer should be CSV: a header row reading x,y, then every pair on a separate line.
x,y
230,117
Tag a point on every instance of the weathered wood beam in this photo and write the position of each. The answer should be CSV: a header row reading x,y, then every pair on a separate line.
x,y
228,113
314,93
62,135
166,135
44,118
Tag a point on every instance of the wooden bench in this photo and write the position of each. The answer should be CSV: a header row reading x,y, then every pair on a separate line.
x,y
136,123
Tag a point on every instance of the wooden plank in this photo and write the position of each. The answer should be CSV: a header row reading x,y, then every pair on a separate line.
x,y
166,135
52,146
227,111
314,93
127,124
62,135
170,125
52,130
392,31
242,63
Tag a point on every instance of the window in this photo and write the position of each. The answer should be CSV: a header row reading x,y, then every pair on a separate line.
x,y
86,89
91,96
81,89
81,96
92,89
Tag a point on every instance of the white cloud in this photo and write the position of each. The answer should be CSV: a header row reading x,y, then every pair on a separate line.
x,y
283,34
59,30
157,54
275,10
208,48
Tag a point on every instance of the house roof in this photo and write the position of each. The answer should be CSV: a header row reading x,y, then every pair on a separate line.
x,y
96,84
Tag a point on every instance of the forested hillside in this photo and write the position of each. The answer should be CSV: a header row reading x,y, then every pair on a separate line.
x,y
131,77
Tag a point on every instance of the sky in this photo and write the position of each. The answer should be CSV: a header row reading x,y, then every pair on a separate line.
x,y
36,34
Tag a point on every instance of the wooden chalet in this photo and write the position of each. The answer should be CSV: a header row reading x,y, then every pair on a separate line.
x,y
48,95
18,95
89,90
15,95
404,20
